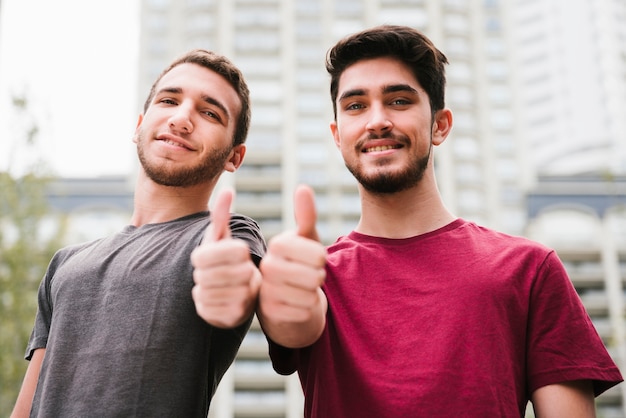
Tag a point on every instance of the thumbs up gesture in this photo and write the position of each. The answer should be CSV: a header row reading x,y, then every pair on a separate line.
x,y
292,305
226,279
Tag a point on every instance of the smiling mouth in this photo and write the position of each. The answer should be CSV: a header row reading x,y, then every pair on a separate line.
x,y
381,148
173,143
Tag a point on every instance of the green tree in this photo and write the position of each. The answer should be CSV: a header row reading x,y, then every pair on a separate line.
x,y
25,250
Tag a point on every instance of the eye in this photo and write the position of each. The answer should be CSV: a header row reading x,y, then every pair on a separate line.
x,y
168,101
400,102
211,114
354,106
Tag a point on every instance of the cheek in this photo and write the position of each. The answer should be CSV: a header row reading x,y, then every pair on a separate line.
x,y
346,134
348,151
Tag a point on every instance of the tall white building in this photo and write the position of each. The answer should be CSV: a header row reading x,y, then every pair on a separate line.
x,y
572,60
281,45
484,169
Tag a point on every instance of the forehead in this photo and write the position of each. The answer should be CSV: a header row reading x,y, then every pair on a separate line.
x,y
376,73
198,81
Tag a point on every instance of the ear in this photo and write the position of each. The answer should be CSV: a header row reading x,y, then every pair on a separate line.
x,y
335,131
139,120
236,158
442,125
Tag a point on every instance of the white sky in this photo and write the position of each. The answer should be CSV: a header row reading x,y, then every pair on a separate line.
x,y
76,61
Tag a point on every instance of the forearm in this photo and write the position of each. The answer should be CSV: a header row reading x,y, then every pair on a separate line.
x,y
24,400
568,399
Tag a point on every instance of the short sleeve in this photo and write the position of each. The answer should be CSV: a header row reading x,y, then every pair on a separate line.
x,y
563,344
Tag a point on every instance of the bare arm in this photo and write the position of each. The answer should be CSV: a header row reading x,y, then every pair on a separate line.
x,y
292,306
27,392
569,399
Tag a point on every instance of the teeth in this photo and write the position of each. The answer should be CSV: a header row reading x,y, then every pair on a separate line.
x,y
377,149
172,143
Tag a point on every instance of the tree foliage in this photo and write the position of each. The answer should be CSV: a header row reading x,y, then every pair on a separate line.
x,y
25,250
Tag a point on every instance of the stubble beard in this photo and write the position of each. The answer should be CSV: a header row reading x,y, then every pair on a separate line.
x,y
182,176
385,182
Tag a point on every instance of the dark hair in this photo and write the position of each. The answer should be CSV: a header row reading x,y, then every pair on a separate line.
x,y
404,43
222,66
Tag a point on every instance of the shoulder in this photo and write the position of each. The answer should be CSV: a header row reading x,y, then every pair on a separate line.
x,y
459,234
65,253
245,228
493,239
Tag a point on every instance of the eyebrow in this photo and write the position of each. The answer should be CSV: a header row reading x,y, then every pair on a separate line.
x,y
392,88
351,93
207,99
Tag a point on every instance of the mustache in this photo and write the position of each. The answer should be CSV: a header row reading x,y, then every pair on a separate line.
x,y
384,135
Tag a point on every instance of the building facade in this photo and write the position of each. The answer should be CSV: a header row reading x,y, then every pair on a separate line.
x,y
281,44
571,57
485,169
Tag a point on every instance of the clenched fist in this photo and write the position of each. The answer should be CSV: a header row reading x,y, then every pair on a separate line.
x,y
292,305
226,279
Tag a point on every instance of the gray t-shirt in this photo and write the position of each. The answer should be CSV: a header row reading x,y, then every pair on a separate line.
x,y
120,329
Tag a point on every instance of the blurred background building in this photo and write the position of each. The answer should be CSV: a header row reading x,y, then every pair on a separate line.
x,y
538,92
571,57
280,45
537,87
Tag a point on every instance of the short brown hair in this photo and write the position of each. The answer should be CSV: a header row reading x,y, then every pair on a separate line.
x,y
402,42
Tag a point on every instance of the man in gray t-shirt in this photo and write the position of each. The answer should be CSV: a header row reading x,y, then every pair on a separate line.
x,y
146,322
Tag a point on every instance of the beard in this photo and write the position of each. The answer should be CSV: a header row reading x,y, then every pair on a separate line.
x,y
182,176
383,182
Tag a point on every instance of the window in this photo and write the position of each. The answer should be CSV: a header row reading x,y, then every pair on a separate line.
x,y
499,94
457,45
501,119
267,116
493,24
495,47
251,41
465,147
456,23
158,4
267,91
312,102
471,200
461,95
416,18
467,173
497,70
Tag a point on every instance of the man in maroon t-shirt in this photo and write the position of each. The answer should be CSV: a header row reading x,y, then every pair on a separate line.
x,y
417,313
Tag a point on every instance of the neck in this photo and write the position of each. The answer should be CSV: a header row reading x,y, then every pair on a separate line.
x,y
405,214
155,203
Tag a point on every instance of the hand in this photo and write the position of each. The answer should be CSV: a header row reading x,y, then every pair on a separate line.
x,y
293,272
226,280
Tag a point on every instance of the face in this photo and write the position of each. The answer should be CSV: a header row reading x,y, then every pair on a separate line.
x,y
384,127
185,136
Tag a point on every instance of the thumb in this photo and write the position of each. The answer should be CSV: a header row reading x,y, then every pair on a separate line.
x,y
306,215
219,228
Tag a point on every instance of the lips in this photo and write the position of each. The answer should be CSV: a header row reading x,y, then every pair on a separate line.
x,y
380,148
176,144
174,141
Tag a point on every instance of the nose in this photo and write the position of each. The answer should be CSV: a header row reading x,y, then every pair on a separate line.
x,y
379,121
180,120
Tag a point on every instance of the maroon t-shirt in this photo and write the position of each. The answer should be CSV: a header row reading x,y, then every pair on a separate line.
x,y
459,322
